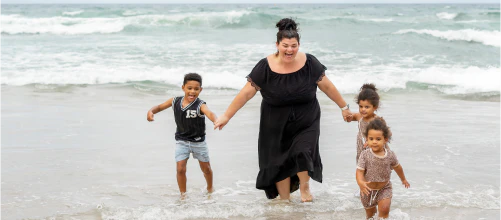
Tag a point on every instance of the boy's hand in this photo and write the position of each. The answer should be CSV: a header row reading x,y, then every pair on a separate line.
x,y
221,122
149,116
364,188
406,184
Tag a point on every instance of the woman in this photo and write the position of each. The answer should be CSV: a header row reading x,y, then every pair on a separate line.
x,y
290,115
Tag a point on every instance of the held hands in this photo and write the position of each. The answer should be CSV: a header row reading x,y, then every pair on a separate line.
x,y
347,116
406,184
149,116
221,122
364,188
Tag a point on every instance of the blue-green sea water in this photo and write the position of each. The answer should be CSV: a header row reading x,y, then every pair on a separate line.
x,y
450,48
77,81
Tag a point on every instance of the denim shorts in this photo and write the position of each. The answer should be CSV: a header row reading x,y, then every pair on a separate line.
x,y
199,149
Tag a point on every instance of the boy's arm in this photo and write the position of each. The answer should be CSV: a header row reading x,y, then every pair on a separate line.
x,y
158,108
211,115
400,172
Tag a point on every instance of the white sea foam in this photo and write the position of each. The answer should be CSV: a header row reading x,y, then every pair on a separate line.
x,y
474,21
60,25
16,24
490,38
340,203
446,15
449,80
130,13
73,13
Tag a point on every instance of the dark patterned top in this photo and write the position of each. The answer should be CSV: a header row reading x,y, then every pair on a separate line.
x,y
190,120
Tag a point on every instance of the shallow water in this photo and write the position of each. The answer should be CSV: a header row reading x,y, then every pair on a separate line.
x,y
89,153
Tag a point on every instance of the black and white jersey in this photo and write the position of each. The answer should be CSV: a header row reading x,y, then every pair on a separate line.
x,y
190,120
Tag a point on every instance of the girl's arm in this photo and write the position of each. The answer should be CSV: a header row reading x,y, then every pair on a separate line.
x,y
204,109
362,183
355,117
331,91
238,102
158,108
400,172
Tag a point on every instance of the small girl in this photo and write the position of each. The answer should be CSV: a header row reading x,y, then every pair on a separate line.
x,y
368,103
374,170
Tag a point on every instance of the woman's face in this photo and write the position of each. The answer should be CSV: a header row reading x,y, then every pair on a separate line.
x,y
287,49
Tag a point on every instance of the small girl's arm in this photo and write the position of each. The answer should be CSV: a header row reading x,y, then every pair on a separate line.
x,y
354,117
211,115
400,172
158,108
362,183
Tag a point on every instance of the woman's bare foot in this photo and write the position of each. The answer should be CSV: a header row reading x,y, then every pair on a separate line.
x,y
305,192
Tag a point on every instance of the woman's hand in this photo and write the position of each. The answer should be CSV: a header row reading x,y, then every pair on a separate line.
x,y
221,122
347,116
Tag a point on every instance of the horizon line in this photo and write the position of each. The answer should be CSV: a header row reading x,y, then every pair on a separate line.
x,y
240,3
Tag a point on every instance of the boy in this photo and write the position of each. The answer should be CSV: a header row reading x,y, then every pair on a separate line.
x,y
189,113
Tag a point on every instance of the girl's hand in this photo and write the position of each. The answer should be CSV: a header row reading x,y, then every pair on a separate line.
x,y
221,122
406,184
364,188
349,118
149,116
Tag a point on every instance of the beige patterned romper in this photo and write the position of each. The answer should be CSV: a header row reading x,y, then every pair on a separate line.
x,y
377,169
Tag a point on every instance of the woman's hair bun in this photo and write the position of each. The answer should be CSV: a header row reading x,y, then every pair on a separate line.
x,y
287,24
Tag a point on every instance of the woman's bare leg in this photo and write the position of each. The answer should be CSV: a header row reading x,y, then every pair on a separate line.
x,y
304,186
283,188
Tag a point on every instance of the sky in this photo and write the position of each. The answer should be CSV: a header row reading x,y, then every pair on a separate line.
x,y
244,1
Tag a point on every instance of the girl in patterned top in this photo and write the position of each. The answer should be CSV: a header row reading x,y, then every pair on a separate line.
x,y
374,170
368,103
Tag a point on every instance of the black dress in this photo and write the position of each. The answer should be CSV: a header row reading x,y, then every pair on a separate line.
x,y
290,124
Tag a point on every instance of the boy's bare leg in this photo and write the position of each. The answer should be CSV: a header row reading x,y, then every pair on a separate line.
x,y
383,207
205,166
283,188
304,186
181,176
370,212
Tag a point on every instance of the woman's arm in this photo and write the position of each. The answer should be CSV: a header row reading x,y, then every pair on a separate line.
x,y
331,91
400,172
211,115
158,108
245,94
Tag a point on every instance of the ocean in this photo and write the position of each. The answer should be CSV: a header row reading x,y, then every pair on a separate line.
x,y
77,81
